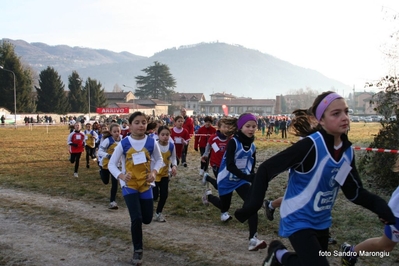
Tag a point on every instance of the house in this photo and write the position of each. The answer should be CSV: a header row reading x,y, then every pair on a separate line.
x,y
190,101
148,106
362,103
4,111
118,97
239,106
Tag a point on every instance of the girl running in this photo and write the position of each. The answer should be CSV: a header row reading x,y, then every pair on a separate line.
x,y
161,188
201,139
180,137
386,242
109,141
90,140
76,146
136,153
214,151
319,164
237,170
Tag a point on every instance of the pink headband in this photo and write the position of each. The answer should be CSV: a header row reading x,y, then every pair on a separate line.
x,y
325,103
244,119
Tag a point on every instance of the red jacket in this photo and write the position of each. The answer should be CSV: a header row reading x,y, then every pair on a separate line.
x,y
201,141
189,125
76,142
183,135
217,156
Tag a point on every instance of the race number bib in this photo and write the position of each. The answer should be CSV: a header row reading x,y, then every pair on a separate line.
x,y
139,158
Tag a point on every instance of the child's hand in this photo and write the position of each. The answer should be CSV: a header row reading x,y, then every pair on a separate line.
x,y
174,170
151,177
125,177
204,158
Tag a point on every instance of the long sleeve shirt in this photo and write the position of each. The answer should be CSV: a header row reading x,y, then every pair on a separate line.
x,y
301,157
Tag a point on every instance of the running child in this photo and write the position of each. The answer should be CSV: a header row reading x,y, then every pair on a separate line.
x,y
90,140
386,242
236,172
124,129
201,139
109,141
151,128
321,163
154,134
76,146
136,153
162,179
101,128
214,151
180,137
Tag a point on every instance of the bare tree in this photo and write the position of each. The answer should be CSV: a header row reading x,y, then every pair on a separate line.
x,y
117,88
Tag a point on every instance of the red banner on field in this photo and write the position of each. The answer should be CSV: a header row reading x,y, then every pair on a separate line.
x,y
103,110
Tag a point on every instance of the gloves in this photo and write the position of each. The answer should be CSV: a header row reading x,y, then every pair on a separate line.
x,y
73,144
387,217
196,149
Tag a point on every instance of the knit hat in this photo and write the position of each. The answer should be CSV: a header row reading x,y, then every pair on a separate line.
x,y
244,119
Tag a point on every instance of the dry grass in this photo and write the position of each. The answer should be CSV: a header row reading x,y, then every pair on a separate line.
x,y
36,159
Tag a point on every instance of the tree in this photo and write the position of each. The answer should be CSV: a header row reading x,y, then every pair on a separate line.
x,y
76,96
379,165
23,81
97,97
117,88
303,99
158,84
388,136
51,97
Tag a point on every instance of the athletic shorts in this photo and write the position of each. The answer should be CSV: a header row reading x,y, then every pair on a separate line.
x,y
392,231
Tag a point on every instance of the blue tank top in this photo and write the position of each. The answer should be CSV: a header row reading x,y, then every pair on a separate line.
x,y
227,182
310,196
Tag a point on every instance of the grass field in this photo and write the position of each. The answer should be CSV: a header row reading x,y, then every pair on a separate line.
x,y
36,159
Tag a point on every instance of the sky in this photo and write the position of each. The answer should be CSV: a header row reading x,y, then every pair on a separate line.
x,y
342,39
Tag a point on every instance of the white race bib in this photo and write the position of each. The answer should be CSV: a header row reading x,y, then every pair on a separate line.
x,y
139,158
343,173
215,147
241,163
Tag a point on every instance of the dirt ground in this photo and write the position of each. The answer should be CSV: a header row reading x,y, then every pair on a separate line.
x,y
26,240
29,239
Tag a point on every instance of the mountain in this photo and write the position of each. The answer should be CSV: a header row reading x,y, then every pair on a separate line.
x,y
203,67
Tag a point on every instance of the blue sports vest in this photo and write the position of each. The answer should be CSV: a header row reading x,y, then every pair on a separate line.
x,y
310,196
227,182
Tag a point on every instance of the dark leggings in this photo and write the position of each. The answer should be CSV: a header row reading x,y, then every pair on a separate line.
x,y
307,244
90,152
162,189
224,202
211,180
184,154
75,158
204,165
105,176
140,211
